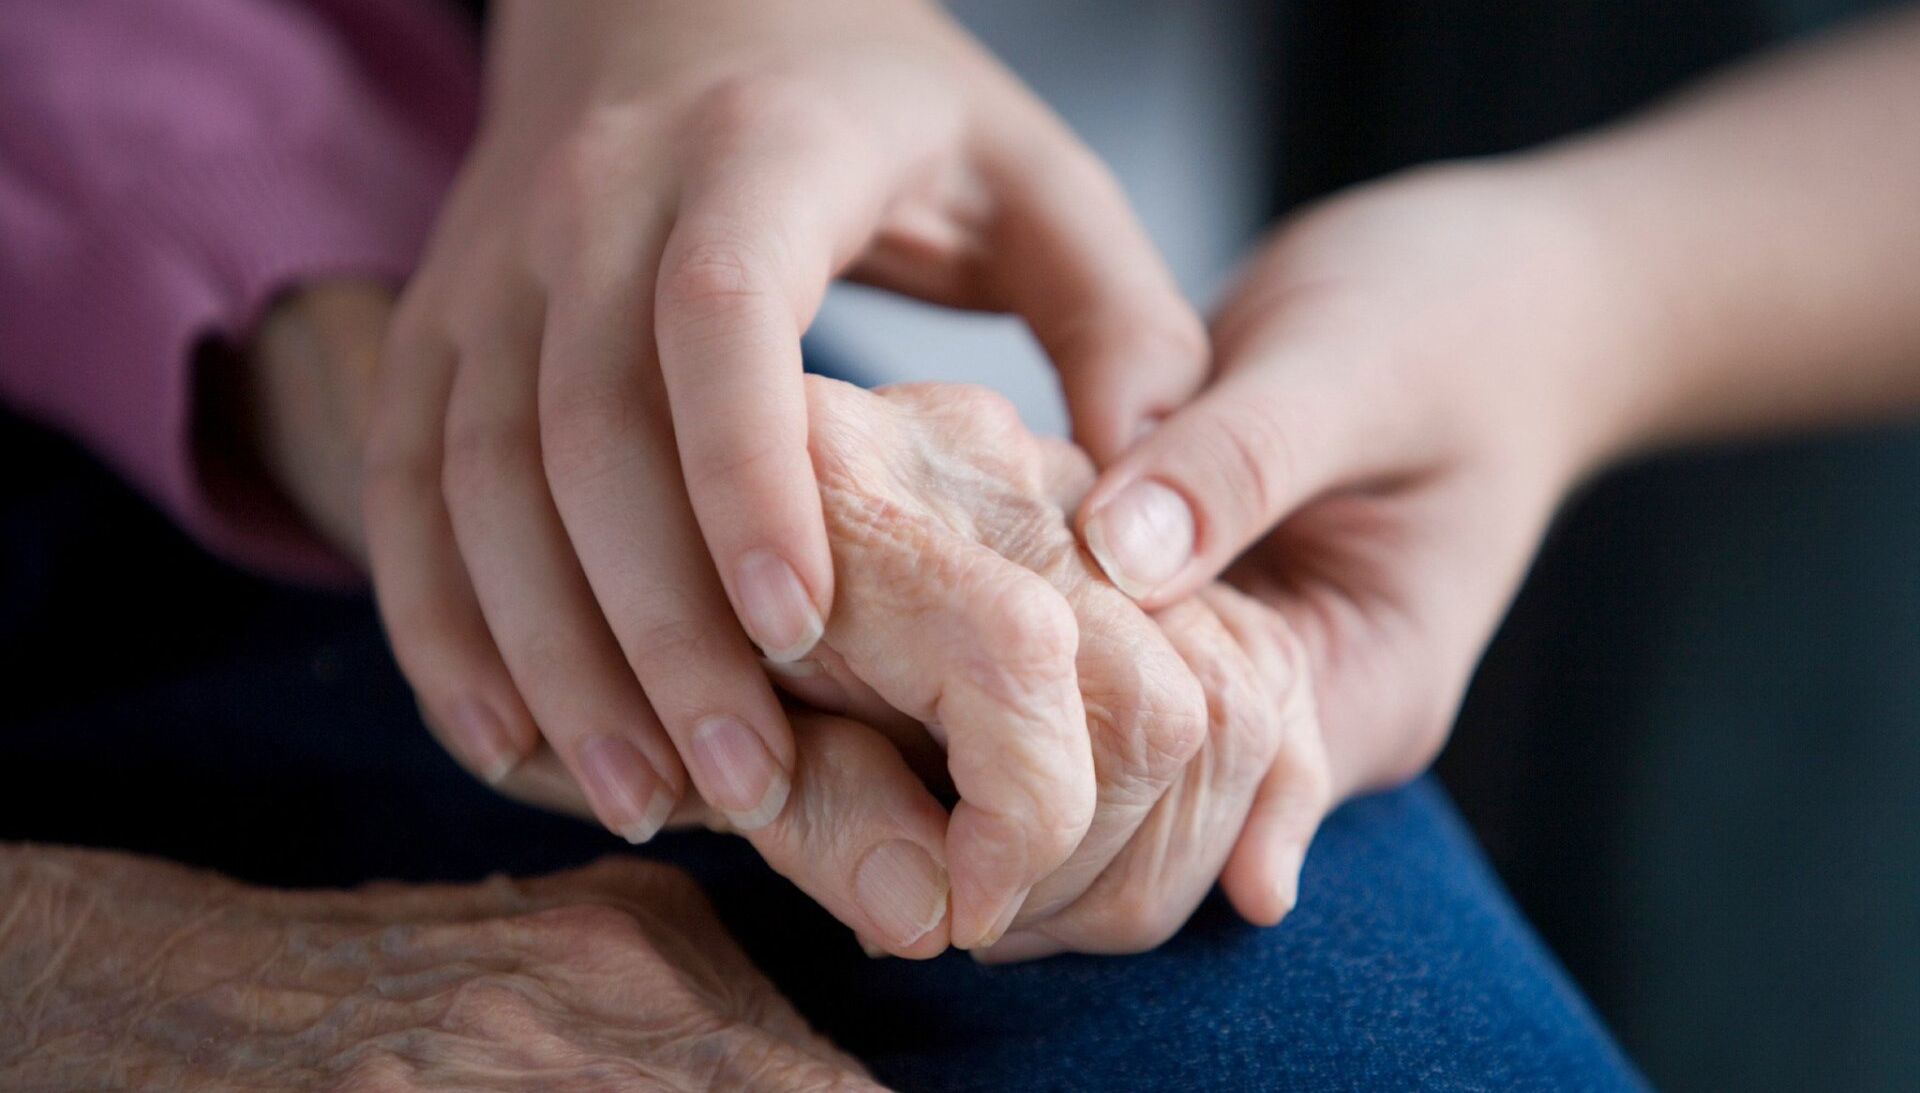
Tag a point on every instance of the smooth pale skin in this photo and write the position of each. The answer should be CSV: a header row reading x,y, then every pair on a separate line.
x,y
124,973
584,449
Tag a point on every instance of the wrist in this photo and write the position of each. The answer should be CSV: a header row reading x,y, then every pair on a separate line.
x,y
1613,371
302,401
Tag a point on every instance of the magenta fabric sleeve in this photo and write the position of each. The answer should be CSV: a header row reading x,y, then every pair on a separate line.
x,y
166,168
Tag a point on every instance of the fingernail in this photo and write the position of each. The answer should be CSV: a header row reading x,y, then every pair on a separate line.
x,y
629,796
807,681
738,773
484,738
1142,537
780,616
873,951
902,889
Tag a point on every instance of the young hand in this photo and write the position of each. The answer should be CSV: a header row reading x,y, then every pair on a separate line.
x,y
1408,381
588,442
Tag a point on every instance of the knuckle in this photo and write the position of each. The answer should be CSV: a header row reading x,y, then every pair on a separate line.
x,y
726,459
398,465
395,479
1070,470
975,411
588,427
1135,918
747,105
479,453
1251,456
584,215
675,642
1156,721
552,655
377,1070
590,163
490,1005
987,408
592,930
624,872
707,274
475,314
1023,624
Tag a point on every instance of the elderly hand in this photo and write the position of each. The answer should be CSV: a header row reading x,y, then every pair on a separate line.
x,y
587,454
1105,761
1069,712
123,973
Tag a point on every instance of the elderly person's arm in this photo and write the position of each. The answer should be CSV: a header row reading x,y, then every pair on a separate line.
x,y
118,972
166,172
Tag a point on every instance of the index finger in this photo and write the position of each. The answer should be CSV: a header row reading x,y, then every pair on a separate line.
x,y
768,215
1069,256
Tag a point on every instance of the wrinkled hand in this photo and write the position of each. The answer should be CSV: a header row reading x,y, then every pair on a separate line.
x,y
1106,762
1394,420
587,450
857,831
123,973
1073,718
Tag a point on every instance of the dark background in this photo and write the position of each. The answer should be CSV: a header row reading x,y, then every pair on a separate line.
x,y
1691,751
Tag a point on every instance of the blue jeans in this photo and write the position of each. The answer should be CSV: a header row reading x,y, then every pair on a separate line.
x,y
162,704
1404,967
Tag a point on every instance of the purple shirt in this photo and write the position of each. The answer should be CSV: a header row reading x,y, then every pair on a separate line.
x,y
166,168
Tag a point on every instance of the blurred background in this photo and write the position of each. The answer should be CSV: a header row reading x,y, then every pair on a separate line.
x,y
1692,751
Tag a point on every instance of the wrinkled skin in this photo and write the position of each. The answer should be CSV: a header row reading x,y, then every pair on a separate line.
x,y
967,605
122,973
1107,758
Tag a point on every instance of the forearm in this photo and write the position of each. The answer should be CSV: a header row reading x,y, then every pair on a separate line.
x,y
1765,231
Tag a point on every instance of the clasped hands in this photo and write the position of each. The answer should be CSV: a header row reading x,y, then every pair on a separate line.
x,y
1368,472
1109,765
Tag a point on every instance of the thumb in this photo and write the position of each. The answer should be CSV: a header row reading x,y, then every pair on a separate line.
x,y
1218,475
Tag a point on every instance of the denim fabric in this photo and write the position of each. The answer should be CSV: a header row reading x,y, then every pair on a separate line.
x,y
164,704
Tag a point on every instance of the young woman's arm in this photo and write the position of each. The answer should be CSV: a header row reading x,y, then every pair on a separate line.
x,y
1411,376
